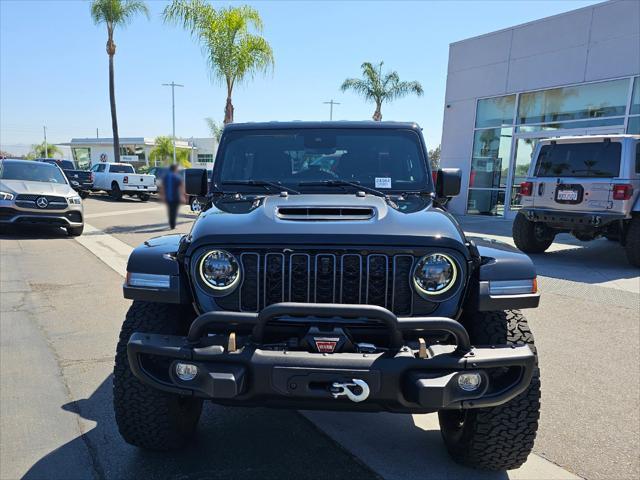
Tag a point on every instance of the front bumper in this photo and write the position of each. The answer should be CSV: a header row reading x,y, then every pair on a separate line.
x,y
398,380
70,217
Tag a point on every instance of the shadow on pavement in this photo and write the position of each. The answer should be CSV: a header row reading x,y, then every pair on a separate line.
x,y
103,197
238,443
31,232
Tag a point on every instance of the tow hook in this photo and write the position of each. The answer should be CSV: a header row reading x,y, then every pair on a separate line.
x,y
344,388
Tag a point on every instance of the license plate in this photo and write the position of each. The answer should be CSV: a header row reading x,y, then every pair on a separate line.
x,y
570,195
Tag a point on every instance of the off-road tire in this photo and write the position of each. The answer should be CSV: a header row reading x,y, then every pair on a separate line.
x,y
496,438
531,237
632,242
146,417
115,193
144,197
192,205
75,231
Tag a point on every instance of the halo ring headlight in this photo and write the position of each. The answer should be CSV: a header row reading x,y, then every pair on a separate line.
x,y
435,274
220,271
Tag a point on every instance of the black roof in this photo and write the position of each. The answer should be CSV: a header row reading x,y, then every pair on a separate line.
x,y
317,124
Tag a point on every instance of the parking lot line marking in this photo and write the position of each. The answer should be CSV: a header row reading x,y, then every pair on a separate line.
x,y
122,212
115,254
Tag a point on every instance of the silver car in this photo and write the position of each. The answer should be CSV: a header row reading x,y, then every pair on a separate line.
x,y
588,186
38,193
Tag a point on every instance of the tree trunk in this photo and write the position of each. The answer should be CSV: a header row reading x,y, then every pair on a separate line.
x,y
228,111
112,99
377,115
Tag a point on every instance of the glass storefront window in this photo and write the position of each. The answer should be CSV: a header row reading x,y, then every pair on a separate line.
x,y
137,150
490,162
486,202
494,112
635,99
594,100
634,125
601,122
82,156
205,157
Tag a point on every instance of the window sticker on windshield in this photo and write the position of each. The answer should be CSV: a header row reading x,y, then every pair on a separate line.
x,y
383,182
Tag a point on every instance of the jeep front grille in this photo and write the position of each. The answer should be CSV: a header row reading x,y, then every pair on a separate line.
x,y
371,278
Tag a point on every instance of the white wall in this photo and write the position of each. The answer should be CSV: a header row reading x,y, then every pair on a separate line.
x,y
594,43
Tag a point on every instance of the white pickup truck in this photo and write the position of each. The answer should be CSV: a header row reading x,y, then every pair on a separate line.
x,y
118,179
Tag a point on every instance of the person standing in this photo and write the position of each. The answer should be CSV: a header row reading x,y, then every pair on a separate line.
x,y
172,185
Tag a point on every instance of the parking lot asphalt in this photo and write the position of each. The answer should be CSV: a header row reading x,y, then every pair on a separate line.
x,y
61,312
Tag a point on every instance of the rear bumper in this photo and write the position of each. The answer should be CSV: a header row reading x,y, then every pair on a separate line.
x,y
572,220
129,189
400,381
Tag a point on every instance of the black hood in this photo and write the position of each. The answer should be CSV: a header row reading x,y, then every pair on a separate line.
x,y
263,225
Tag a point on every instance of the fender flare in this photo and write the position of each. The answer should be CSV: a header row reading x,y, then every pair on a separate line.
x,y
154,273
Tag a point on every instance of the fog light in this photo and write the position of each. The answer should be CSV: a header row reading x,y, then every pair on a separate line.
x,y
186,371
469,382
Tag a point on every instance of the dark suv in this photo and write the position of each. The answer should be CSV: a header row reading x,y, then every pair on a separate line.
x,y
324,273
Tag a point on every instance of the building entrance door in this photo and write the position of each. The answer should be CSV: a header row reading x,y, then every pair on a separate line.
x,y
522,149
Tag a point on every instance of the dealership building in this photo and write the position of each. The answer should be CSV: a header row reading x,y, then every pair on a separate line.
x,y
577,73
137,150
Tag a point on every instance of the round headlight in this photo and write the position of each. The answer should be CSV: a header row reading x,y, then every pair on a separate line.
x,y
435,274
219,270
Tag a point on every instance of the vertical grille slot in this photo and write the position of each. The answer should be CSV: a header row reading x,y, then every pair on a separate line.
x,y
250,289
299,277
325,278
273,278
377,280
351,279
402,292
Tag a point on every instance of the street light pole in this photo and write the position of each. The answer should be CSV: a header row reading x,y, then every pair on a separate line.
x,y
173,85
331,104
46,150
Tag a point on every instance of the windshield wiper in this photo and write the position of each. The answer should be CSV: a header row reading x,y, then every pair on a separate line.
x,y
342,183
262,183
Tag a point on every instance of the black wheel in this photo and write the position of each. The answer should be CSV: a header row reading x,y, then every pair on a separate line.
x,y
497,438
146,417
83,194
632,242
144,197
115,193
75,231
531,237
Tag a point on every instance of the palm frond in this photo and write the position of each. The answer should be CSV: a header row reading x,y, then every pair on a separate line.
x,y
117,12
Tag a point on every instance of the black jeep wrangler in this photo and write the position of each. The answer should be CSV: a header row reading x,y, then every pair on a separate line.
x,y
324,273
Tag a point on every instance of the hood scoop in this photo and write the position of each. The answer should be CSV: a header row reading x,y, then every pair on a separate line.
x,y
326,214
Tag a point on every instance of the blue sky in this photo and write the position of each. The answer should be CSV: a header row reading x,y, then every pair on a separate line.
x,y
53,65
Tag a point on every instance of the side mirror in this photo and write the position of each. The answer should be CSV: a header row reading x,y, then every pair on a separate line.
x,y
196,182
448,181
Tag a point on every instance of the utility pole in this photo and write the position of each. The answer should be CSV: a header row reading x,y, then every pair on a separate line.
x,y
46,150
173,86
97,133
331,104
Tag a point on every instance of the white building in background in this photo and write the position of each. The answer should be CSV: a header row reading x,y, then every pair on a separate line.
x,y
136,150
571,74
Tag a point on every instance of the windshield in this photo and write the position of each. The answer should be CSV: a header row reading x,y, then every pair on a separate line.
x,y
594,159
32,172
64,164
113,168
380,159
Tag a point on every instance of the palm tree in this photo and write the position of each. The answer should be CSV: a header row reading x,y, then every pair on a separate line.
x,y
234,53
215,129
39,151
163,153
376,87
115,13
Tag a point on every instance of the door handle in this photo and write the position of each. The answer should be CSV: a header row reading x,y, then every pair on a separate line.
x,y
540,189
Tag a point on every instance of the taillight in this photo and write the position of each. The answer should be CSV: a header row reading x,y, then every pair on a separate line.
x,y
125,179
526,189
622,191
